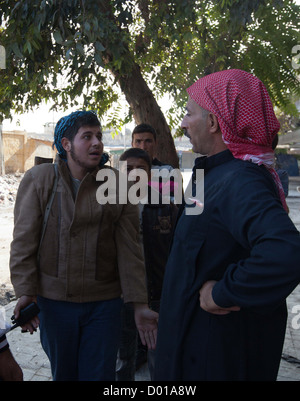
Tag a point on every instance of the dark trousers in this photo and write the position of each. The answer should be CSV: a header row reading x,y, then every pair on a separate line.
x,y
81,339
125,368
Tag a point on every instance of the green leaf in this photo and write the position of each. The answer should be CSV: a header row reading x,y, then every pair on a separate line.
x,y
57,36
27,47
80,48
69,54
87,26
99,46
16,50
98,59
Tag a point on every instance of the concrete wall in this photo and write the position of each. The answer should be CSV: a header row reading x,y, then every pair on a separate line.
x,y
19,151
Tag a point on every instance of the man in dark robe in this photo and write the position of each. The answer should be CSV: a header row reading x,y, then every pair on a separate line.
x,y
232,263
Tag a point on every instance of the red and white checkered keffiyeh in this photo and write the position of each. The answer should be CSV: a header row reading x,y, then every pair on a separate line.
x,y
245,114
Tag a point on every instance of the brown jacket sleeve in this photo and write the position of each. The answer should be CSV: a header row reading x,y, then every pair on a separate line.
x,y
130,256
28,219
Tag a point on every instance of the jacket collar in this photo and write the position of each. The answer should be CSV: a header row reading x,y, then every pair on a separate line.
x,y
207,163
63,165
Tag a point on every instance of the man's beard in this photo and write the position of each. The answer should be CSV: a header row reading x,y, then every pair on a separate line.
x,y
77,161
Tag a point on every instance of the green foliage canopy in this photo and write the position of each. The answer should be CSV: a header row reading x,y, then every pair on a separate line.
x,y
76,52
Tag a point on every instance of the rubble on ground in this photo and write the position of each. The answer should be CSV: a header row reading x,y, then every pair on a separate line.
x,y
7,294
9,184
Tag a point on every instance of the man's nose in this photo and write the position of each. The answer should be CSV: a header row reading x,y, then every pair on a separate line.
x,y
96,141
183,124
184,128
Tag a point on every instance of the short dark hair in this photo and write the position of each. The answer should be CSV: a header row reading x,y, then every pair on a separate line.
x,y
137,153
141,128
89,119
69,125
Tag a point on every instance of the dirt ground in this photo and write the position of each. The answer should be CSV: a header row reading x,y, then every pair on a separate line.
x,y
6,224
9,184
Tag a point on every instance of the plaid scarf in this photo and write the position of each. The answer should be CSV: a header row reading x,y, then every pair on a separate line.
x,y
245,114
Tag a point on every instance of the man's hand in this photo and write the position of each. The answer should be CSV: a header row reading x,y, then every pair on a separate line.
x,y
207,303
24,301
9,369
146,323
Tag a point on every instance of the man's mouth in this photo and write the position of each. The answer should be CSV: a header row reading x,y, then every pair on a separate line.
x,y
95,153
185,132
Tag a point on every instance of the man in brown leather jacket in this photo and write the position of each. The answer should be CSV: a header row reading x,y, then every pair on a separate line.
x,y
89,257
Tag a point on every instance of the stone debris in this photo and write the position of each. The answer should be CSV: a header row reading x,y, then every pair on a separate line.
x,y
7,294
9,184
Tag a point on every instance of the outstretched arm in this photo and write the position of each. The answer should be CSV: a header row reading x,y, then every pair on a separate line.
x,y
146,322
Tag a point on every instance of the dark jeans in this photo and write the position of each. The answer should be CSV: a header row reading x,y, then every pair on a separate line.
x,y
81,339
125,368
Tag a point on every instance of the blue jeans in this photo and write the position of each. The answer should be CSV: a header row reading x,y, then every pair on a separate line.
x,y
81,339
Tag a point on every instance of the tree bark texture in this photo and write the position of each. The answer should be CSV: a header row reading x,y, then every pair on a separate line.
x,y
140,98
146,110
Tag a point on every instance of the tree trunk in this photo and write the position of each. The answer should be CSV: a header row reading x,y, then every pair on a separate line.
x,y
140,98
146,110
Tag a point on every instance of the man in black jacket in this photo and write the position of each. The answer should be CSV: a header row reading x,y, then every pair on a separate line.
x,y
157,222
144,137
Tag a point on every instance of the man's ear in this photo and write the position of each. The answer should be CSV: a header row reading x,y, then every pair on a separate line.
x,y
66,144
213,123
